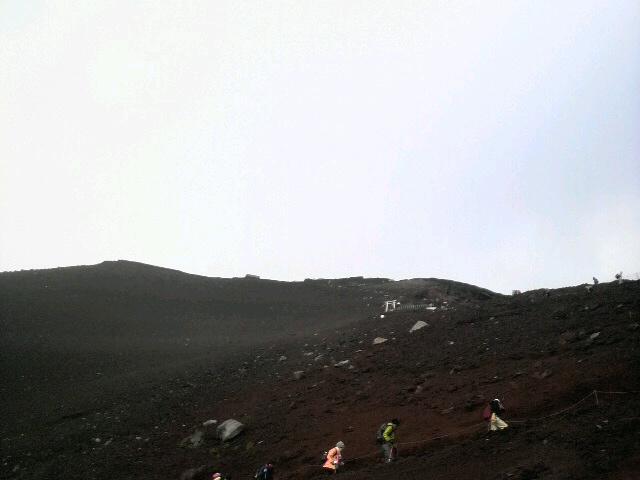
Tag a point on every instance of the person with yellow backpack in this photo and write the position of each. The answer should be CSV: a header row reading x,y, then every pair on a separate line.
x,y
386,436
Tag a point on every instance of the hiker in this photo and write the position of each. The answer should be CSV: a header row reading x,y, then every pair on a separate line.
x,y
386,436
491,415
265,472
334,459
218,476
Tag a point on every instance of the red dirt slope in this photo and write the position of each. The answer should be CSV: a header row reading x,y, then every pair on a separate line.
x,y
540,352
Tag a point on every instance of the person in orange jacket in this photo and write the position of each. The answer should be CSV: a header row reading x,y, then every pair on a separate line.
x,y
334,459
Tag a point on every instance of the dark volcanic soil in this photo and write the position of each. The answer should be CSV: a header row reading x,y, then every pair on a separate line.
x,y
106,369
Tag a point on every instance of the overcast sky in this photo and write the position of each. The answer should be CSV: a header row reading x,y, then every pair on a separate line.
x,y
495,143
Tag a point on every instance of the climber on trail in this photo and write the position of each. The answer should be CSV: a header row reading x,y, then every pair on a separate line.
x,y
265,472
490,414
334,459
386,436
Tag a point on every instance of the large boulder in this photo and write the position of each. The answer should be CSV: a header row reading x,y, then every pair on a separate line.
x,y
229,429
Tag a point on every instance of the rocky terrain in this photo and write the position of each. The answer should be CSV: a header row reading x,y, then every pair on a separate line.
x,y
111,371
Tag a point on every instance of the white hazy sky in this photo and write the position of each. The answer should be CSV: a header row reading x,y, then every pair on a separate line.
x,y
490,142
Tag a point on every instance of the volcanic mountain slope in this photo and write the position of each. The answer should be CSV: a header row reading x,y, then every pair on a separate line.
x,y
127,304
541,352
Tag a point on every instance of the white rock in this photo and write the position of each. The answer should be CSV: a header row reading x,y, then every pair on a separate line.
x,y
343,363
229,429
418,325
593,336
379,340
208,422
282,358
298,374
194,440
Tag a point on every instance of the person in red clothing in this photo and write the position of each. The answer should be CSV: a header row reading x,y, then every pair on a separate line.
x,y
490,414
334,459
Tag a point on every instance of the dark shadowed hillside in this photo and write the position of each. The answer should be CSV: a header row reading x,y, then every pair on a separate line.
x,y
126,304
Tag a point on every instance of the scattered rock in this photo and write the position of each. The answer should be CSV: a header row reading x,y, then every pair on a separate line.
x,y
298,374
229,429
343,363
282,358
474,402
534,473
418,325
542,375
379,340
192,473
568,337
559,315
593,336
209,422
194,440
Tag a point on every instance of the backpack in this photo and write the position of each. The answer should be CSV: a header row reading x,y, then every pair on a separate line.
x,y
380,432
324,456
265,472
486,414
